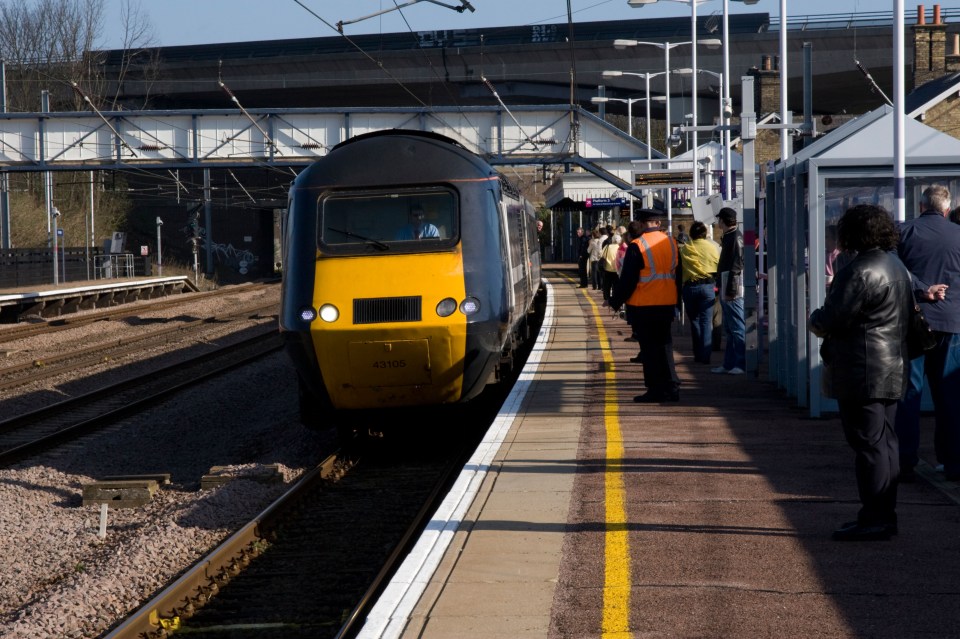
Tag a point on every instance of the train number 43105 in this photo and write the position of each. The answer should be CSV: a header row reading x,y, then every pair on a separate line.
x,y
390,363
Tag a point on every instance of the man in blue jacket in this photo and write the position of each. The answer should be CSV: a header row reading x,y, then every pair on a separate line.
x,y
930,249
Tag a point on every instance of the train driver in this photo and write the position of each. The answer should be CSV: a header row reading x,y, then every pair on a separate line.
x,y
417,227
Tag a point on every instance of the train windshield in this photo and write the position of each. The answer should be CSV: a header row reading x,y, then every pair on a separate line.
x,y
361,223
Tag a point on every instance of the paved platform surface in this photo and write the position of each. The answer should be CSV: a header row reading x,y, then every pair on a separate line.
x,y
710,517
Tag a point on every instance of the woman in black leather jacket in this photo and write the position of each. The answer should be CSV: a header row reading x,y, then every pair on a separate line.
x,y
864,325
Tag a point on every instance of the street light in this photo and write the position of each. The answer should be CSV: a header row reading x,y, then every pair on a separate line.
x,y
629,101
724,134
726,60
159,251
56,244
646,78
622,43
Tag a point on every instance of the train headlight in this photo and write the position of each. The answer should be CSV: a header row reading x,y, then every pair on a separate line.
x,y
446,307
469,306
308,314
329,313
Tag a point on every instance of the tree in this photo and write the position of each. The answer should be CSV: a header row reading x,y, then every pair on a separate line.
x,y
55,45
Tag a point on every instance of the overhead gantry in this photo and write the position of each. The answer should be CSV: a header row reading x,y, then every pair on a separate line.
x,y
522,135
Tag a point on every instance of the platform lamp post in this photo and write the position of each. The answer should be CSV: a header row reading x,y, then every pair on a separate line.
x,y
629,102
55,217
724,140
159,250
646,80
728,111
622,43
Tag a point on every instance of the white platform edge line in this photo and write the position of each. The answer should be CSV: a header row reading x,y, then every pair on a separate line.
x,y
391,613
87,289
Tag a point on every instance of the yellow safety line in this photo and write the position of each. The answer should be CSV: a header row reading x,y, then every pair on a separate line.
x,y
616,582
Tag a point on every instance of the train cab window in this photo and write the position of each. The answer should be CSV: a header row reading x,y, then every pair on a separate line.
x,y
360,223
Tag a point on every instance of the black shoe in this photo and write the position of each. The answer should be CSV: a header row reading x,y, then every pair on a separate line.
x,y
855,531
632,338
650,397
637,359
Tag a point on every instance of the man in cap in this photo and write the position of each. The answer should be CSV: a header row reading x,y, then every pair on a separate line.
x,y
649,287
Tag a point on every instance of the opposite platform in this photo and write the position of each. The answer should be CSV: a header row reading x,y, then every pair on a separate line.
x,y
53,300
710,517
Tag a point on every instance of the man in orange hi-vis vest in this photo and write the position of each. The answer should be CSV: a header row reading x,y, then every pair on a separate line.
x,y
649,287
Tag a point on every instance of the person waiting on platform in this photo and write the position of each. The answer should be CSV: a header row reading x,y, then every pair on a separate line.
x,y
648,288
863,323
583,255
596,250
698,262
417,228
608,264
930,248
730,269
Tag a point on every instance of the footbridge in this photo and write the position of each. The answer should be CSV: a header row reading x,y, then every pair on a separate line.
x,y
206,139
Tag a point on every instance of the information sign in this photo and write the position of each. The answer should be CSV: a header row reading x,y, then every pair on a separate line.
x,y
673,178
598,202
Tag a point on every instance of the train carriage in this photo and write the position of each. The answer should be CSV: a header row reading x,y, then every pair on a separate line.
x,y
410,269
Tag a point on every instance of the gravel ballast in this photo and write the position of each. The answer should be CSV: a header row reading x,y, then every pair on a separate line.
x,y
59,577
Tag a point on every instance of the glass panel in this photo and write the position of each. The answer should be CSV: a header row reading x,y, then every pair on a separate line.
x,y
842,193
387,221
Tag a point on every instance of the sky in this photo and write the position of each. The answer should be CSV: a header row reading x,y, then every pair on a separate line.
x,y
182,22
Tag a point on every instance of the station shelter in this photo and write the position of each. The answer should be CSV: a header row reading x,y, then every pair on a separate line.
x,y
805,196
582,200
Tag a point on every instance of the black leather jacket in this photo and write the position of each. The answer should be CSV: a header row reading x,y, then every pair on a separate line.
x,y
864,325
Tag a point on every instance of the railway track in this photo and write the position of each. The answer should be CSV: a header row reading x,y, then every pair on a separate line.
x,y
32,432
13,332
311,563
182,328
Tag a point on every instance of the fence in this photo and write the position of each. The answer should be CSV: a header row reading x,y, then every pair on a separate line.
x,y
34,267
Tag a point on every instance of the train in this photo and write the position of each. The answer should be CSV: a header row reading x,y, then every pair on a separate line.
x,y
411,270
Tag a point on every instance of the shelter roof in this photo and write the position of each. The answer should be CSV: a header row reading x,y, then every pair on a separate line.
x,y
869,140
578,188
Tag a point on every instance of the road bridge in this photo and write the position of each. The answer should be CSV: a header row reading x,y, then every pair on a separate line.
x,y
528,65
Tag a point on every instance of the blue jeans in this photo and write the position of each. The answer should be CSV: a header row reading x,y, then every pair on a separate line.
x,y
734,328
698,299
942,367
908,416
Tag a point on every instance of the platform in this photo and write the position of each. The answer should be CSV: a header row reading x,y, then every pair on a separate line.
x,y
54,300
585,514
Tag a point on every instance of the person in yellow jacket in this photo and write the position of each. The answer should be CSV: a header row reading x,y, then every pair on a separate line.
x,y
698,264
649,288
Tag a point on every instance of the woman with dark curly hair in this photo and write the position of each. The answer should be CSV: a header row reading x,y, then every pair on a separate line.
x,y
864,325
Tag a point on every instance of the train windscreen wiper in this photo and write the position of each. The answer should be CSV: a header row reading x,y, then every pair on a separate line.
x,y
369,240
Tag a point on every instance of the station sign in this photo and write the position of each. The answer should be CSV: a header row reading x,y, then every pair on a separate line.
x,y
601,202
665,178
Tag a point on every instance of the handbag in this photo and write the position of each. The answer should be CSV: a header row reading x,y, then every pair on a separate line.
x,y
920,337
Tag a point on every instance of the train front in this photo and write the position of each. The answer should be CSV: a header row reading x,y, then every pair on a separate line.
x,y
376,307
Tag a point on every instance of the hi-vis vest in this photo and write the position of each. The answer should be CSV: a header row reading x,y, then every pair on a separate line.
x,y
657,285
